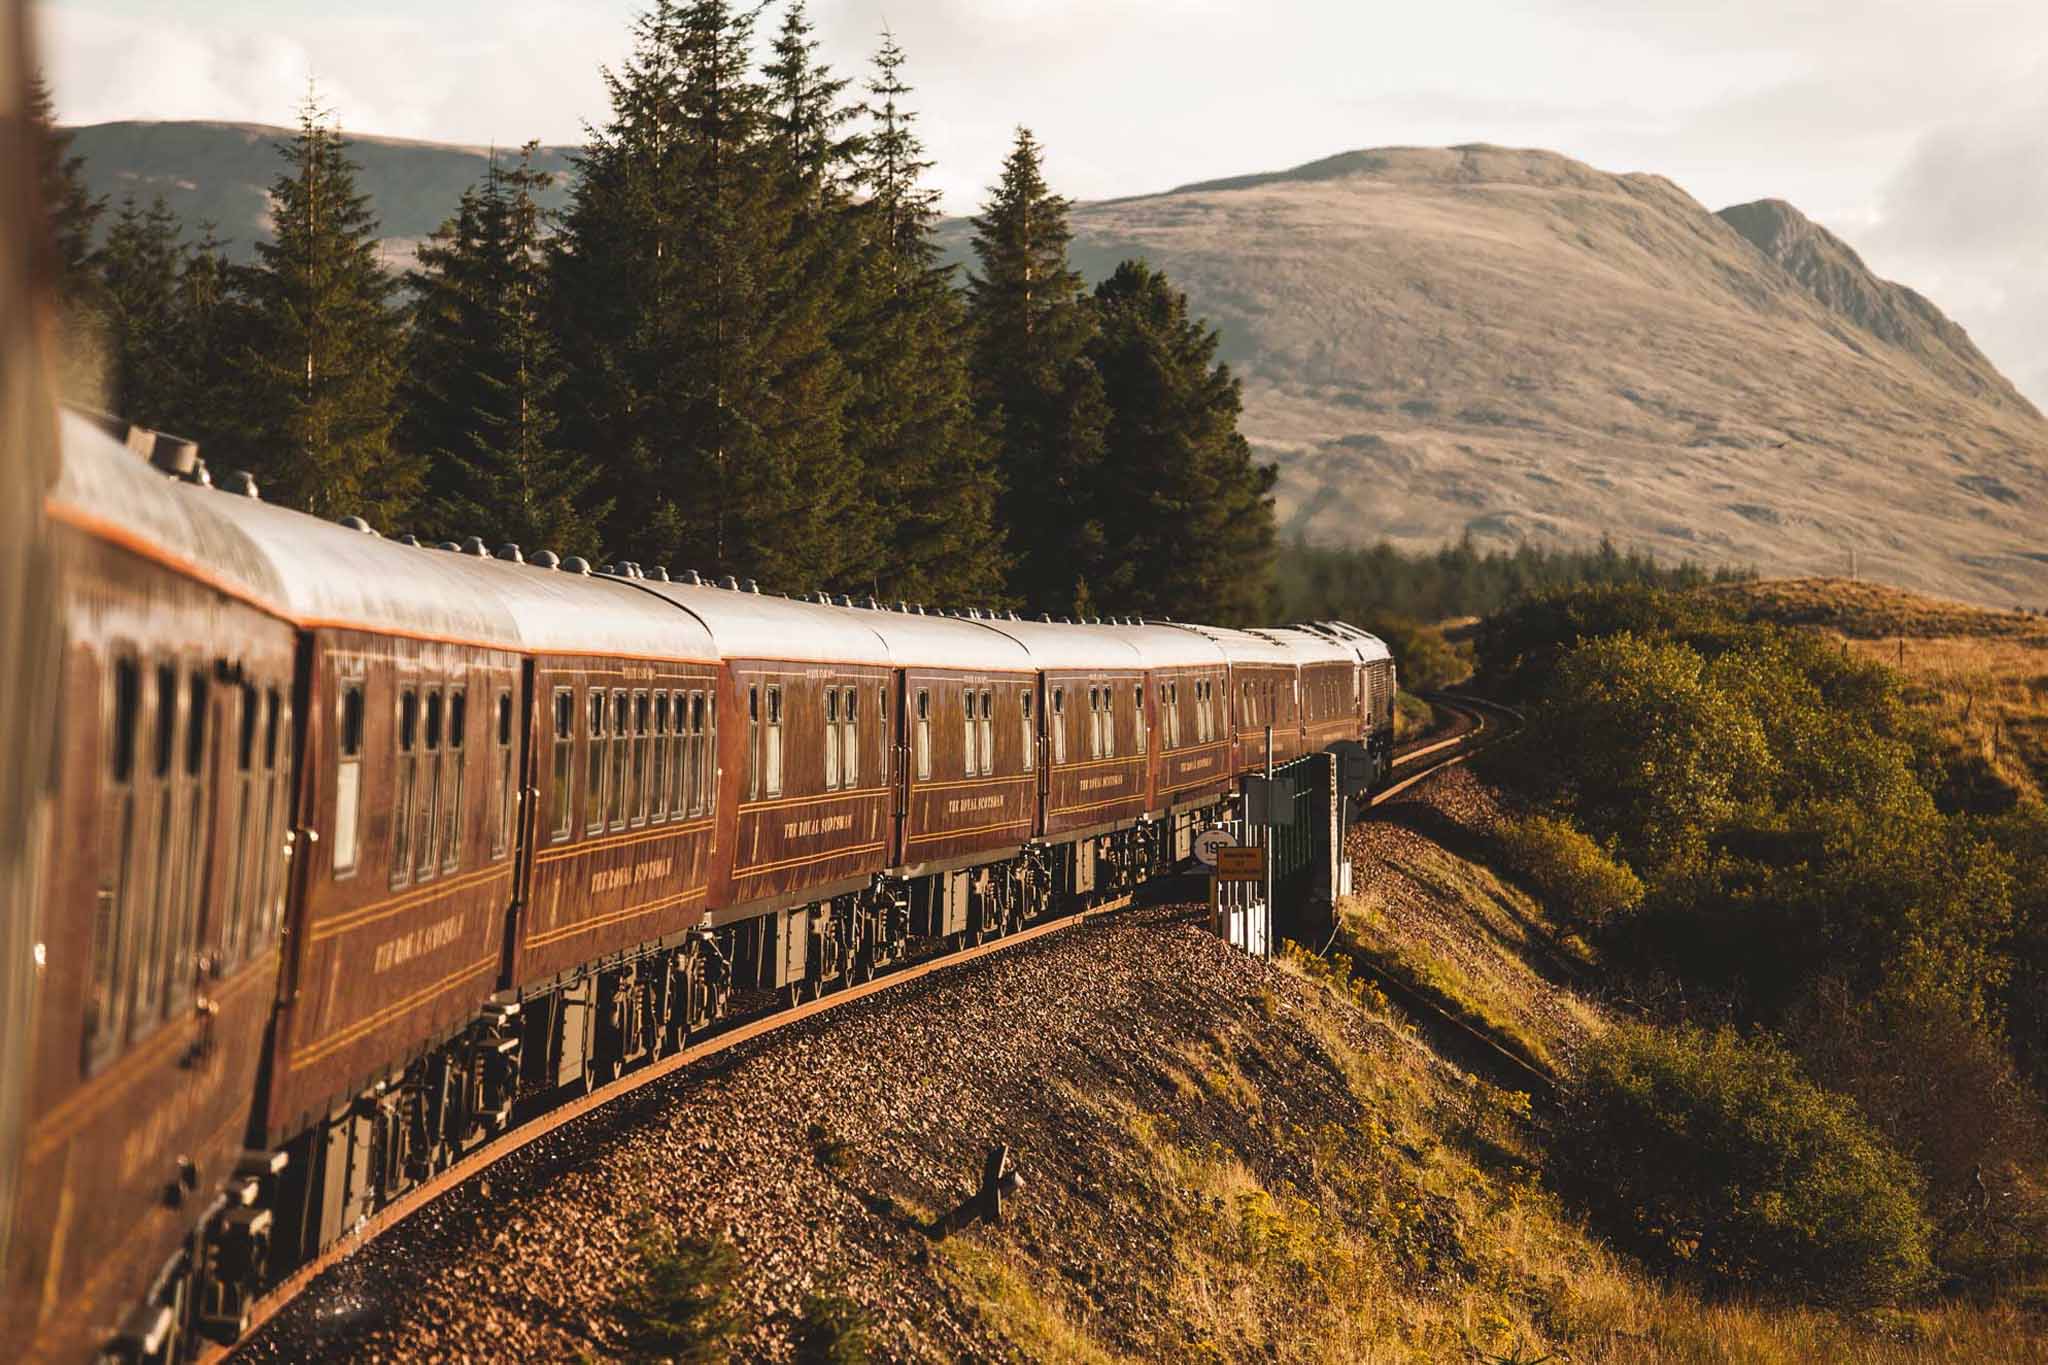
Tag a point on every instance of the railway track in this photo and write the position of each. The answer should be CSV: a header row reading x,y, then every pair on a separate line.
x,y
1469,731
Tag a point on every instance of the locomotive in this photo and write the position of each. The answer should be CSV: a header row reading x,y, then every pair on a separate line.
x,y
364,851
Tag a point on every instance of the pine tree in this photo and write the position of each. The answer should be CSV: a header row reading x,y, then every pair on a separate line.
x,y
1191,517
211,321
320,366
703,360
911,425
482,378
1034,383
73,211
139,271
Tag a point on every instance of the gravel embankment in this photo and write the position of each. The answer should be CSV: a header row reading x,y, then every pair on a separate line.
x,y
810,1149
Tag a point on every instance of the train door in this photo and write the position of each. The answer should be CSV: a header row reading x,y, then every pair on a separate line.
x,y
1046,719
896,746
529,715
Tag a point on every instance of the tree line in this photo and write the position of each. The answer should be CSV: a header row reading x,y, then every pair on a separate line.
x,y
736,350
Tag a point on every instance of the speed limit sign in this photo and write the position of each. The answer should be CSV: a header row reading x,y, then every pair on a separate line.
x,y
1209,841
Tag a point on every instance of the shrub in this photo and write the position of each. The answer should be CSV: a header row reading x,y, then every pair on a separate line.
x,y
1572,874
679,1305
834,1330
1714,1155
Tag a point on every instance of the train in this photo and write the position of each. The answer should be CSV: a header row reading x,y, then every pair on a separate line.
x,y
363,851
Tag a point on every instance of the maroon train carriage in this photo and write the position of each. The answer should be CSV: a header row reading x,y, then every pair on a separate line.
x,y
158,928
1370,758
387,847
1187,681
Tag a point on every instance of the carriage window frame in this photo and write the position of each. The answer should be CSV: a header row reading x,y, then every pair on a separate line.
x,y
106,1001
562,764
596,758
1025,707
619,800
350,719
657,758
456,756
1057,723
753,741
181,972
405,743
969,761
849,739
771,744
433,732
501,752
830,702
640,799
1143,731
924,734
985,732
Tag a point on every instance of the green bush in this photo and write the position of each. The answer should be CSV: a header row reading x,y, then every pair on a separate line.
x,y
834,1330
1714,1155
1574,876
679,1305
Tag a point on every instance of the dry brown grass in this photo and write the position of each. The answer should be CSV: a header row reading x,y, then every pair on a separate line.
x,y
1980,677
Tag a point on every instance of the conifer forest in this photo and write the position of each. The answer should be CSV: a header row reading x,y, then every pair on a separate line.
x,y
736,350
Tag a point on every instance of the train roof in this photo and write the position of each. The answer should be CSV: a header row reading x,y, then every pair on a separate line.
x,y
949,642
1059,644
1167,645
1244,646
745,624
1368,647
1308,647
317,573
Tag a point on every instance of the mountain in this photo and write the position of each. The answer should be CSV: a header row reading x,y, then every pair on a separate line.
x,y
220,173
1479,340
1514,345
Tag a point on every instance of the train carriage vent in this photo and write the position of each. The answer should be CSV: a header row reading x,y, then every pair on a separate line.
x,y
576,564
509,552
546,559
473,546
243,484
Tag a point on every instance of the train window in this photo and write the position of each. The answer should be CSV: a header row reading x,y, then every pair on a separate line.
x,y
501,786
771,756
642,793
1024,698
269,884
348,778
988,732
234,923
406,737
562,817
457,761
1094,722
753,741
166,719
849,718
703,725
149,938
105,1005
190,879
682,768
831,739
427,797
622,738
1138,694
968,763
1058,725
657,770
924,734
595,765
1171,715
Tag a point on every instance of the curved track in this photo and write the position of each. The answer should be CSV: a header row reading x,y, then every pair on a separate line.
x,y
1467,733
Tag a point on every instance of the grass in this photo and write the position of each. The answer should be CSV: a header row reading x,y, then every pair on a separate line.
x,y
1979,677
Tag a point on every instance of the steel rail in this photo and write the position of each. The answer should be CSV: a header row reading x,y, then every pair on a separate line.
x,y
475,1163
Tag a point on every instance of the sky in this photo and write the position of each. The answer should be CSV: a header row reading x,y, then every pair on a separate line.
x,y
1915,129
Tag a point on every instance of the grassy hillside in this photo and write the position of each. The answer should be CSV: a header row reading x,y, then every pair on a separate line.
x,y
1979,676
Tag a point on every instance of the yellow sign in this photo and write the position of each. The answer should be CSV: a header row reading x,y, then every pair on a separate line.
x,y
1240,864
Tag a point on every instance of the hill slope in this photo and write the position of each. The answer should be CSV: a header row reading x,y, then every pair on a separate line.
x,y
1511,343
1475,339
220,173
